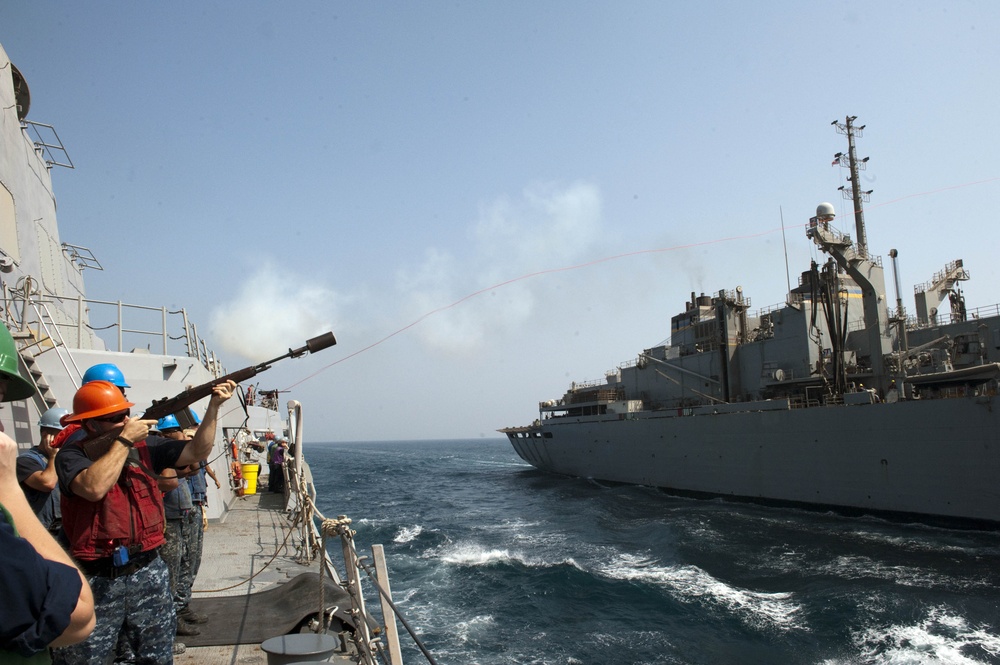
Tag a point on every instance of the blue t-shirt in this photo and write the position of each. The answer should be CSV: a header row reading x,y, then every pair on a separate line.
x,y
44,504
39,595
199,488
177,501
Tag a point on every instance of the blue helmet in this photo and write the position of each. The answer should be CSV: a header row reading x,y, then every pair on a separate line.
x,y
167,422
106,372
194,416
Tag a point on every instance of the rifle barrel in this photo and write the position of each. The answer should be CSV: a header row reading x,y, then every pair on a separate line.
x,y
324,341
181,401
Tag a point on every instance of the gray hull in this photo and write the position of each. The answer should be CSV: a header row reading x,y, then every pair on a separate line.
x,y
830,399
934,458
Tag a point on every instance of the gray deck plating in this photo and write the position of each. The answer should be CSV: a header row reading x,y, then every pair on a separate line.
x,y
238,547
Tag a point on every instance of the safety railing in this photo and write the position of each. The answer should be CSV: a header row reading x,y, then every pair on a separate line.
x,y
945,318
120,326
368,631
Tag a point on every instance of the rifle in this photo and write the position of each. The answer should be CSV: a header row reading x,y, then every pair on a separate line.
x,y
179,403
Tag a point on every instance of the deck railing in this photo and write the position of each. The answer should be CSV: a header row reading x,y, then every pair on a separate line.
x,y
120,326
315,531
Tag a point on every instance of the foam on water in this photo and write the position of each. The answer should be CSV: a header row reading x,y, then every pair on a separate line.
x,y
517,525
472,628
922,540
405,596
370,522
407,534
941,637
692,584
496,565
474,554
862,567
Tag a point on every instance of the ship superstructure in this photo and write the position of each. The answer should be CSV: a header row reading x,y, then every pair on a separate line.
x,y
833,399
54,323
257,612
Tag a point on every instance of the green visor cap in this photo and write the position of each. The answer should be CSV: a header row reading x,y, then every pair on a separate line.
x,y
17,386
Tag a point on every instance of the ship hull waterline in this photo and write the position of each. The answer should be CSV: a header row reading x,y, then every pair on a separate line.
x,y
935,460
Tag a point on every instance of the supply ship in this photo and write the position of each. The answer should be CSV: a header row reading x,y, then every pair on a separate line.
x,y
267,577
834,399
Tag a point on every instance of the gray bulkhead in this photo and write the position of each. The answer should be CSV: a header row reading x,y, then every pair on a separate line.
x,y
38,262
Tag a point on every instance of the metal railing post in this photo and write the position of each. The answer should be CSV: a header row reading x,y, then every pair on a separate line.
x,y
353,587
391,630
121,325
79,321
187,331
202,357
27,298
164,329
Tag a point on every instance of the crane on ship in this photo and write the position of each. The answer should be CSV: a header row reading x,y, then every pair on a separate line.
x,y
942,285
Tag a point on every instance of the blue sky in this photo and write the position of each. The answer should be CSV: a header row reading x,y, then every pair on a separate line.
x,y
281,170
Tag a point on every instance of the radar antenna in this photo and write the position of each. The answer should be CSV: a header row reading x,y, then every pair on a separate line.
x,y
850,160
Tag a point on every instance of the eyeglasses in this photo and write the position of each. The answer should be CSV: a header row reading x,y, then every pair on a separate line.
x,y
116,418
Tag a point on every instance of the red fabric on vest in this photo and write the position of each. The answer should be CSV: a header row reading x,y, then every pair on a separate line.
x,y
130,514
64,434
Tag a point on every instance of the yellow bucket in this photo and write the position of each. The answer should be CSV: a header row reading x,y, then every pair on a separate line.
x,y
250,477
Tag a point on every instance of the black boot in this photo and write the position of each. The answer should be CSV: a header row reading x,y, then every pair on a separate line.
x,y
184,628
190,616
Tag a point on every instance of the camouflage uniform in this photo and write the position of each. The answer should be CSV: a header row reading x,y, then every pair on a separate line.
x,y
197,543
178,509
191,533
195,535
139,607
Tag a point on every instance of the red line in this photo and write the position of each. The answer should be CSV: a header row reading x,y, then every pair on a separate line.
x,y
936,191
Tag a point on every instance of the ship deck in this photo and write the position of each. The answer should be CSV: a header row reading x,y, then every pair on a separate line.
x,y
248,542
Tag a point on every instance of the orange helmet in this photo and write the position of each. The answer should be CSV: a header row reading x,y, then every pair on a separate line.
x,y
96,399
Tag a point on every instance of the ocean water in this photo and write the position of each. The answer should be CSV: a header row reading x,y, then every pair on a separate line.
x,y
495,562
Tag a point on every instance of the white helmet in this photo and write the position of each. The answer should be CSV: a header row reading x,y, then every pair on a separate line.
x,y
50,419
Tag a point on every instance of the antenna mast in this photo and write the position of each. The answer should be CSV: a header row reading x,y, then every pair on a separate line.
x,y
854,192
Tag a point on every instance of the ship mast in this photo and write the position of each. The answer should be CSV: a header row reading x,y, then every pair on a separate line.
x,y
853,258
854,191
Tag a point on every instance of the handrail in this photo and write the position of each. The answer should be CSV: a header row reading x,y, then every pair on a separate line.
x,y
58,341
945,318
367,645
302,493
302,502
341,526
397,612
87,315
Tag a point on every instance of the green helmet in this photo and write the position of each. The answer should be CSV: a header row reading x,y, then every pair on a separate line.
x,y
17,386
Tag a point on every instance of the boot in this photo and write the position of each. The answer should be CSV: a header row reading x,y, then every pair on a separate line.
x,y
184,628
190,616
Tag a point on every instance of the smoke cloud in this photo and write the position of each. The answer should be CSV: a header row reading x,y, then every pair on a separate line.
x,y
446,296
548,227
273,311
